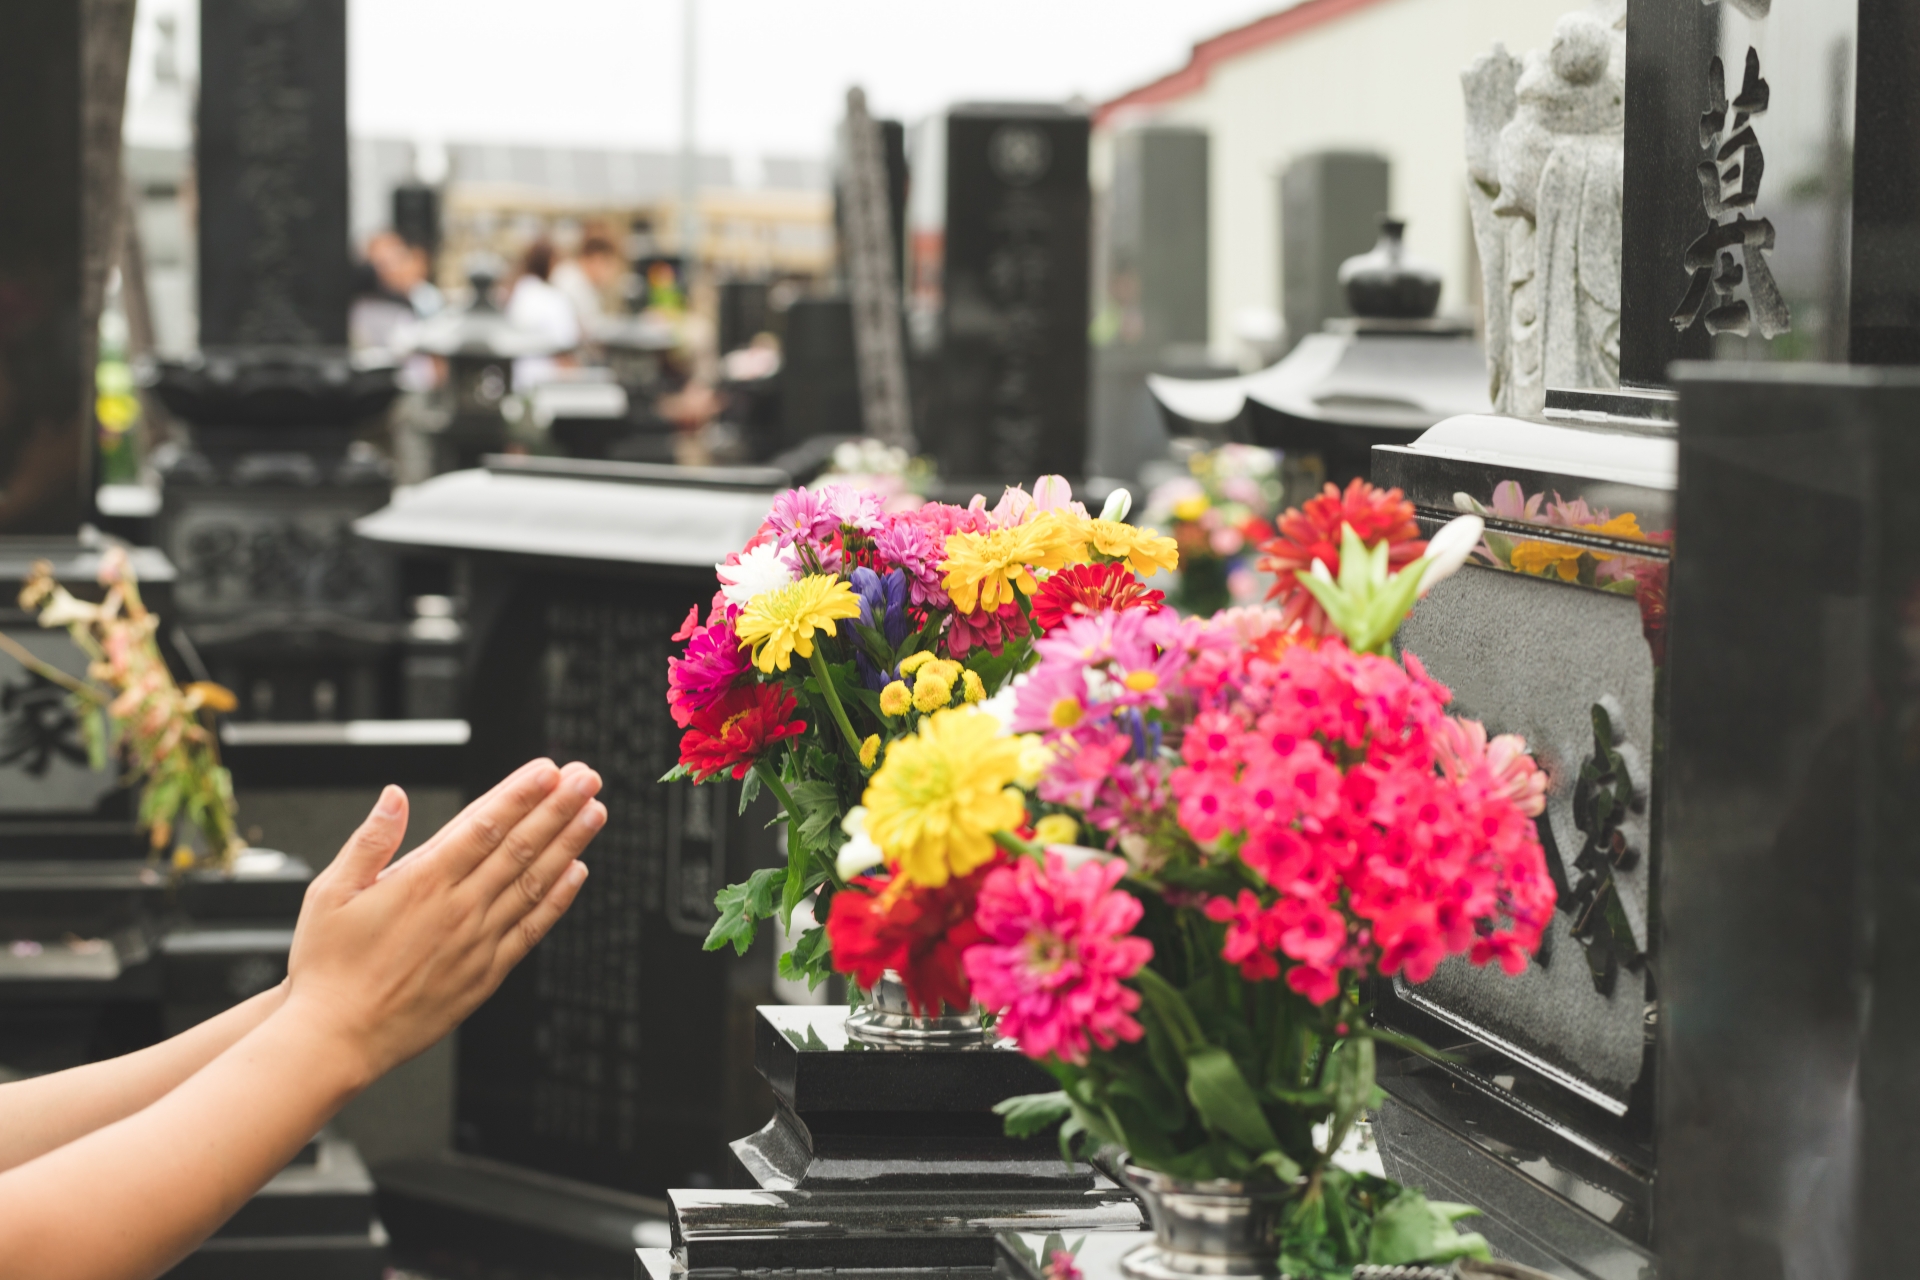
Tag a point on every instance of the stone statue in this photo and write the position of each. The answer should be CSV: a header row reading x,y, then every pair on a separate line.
x,y
1545,154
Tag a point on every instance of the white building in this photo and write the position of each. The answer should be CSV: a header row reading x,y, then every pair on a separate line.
x,y
1367,75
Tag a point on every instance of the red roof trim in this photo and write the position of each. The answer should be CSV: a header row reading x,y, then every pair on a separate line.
x,y
1209,53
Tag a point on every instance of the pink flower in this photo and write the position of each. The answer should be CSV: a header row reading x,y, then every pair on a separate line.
x,y
802,515
861,510
1057,954
712,664
907,543
1462,749
989,629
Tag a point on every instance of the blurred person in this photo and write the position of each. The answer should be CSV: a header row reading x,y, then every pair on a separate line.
x,y
536,305
118,1169
391,292
589,276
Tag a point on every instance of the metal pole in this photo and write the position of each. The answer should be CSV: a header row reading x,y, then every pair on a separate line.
x,y
689,154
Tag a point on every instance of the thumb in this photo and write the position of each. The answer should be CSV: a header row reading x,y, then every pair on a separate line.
x,y
373,845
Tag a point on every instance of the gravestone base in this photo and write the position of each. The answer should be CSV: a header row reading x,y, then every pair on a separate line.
x,y
887,1159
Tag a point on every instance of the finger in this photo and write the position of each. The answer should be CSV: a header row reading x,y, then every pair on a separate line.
x,y
468,841
434,841
525,843
374,843
524,894
525,935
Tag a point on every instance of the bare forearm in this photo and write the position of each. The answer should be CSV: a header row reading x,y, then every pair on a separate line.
x,y
172,1173
50,1111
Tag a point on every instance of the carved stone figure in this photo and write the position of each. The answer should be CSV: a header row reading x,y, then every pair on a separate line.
x,y
1546,142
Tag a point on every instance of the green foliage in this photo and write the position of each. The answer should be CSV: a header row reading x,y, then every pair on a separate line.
x,y
742,907
1366,604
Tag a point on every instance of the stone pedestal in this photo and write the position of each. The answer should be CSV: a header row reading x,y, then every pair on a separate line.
x,y
882,1158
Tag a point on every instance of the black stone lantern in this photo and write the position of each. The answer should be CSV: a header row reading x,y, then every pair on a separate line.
x,y
1382,377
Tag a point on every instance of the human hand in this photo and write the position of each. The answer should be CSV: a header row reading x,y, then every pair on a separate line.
x,y
389,958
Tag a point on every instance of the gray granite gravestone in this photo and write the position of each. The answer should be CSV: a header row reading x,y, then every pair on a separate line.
x,y
1331,203
271,164
1154,287
998,291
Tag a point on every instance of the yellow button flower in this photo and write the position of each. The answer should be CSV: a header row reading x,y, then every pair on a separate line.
x,y
914,661
933,687
781,623
870,751
895,699
1056,828
935,803
971,687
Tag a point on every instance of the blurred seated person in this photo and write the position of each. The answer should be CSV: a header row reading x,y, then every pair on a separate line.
x,y
588,277
119,1169
536,305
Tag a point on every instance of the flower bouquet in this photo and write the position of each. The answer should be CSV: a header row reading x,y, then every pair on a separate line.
x,y
845,634
1217,515
1287,814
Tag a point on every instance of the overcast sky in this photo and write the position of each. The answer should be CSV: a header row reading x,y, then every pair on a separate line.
x,y
773,74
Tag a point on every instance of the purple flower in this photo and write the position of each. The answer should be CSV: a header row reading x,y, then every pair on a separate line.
x,y
883,605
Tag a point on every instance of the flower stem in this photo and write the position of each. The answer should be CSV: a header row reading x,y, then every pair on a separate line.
x,y
825,677
22,655
771,780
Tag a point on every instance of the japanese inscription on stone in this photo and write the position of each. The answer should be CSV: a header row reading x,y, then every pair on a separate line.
x,y
1729,185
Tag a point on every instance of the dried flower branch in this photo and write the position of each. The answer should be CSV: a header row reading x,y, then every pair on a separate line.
x,y
130,702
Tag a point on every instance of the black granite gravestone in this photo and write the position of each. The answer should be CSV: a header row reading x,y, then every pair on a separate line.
x,y
618,1057
271,165
1331,203
1788,1043
999,291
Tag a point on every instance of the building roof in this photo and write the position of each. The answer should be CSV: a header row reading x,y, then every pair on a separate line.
x,y
1299,17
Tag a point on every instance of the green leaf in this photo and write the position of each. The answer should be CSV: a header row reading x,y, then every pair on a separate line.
x,y
810,958
741,907
676,773
749,790
1033,1113
1350,1068
1226,1101
1171,1008
1411,1228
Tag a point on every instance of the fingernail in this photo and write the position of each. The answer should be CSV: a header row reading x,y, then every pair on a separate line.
x,y
390,800
595,816
587,782
577,873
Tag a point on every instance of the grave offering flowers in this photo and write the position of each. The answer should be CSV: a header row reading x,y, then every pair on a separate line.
x,y
129,707
1218,515
841,666
1276,811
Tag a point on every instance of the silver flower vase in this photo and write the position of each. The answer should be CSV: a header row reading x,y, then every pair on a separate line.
x,y
1215,1228
887,1021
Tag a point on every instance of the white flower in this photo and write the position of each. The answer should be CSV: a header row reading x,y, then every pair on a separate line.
x,y
1000,705
1078,855
760,570
1449,549
859,853
65,609
1119,503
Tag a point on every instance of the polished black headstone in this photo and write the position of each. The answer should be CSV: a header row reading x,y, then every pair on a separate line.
x,y
1006,290
1772,155
1331,203
1789,1041
271,166
44,423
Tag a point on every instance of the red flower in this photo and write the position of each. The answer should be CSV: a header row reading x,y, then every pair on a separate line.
x,y
737,728
1081,590
919,933
988,628
1312,532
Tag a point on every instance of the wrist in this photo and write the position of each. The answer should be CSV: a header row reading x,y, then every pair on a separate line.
x,y
342,1050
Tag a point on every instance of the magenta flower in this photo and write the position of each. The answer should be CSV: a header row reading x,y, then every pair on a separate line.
x,y
802,515
713,662
908,543
1058,951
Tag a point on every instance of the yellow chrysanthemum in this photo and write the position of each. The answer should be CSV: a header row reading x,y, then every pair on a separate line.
x,y
984,570
870,751
781,623
1056,828
971,687
895,699
1144,551
933,687
914,661
1543,558
934,805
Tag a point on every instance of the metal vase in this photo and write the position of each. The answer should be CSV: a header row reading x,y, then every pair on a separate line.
x,y
1215,1228
887,1021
